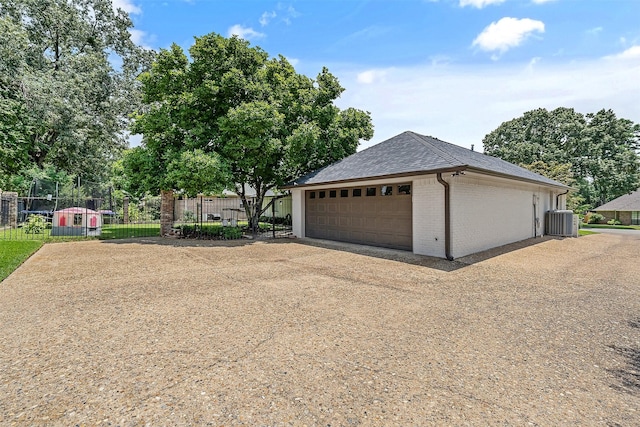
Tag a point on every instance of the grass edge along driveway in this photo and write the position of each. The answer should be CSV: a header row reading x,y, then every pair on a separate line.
x,y
14,253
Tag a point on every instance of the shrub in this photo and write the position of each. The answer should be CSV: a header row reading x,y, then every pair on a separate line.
x,y
594,218
230,233
210,231
278,220
188,216
613,222
35,224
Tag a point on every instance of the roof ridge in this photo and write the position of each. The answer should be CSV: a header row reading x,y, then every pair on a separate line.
x,y
444,154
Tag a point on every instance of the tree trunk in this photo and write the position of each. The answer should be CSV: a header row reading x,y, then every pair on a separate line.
x,y
254,222
253,209
166,212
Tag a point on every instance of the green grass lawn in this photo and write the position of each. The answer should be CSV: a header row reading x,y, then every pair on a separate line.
x,y
618,227
14,253
109,231
124,231
586,232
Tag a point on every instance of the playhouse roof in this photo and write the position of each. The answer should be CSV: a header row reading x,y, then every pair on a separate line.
x,y
76,210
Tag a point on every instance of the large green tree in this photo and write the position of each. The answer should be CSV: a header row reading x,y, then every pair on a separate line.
x,y
598,149
265,123
68,73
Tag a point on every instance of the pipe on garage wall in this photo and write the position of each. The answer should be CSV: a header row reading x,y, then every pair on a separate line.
x,y
558,199
447,217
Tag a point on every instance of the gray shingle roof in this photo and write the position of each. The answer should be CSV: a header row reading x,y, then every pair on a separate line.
x,y
628,202
410,153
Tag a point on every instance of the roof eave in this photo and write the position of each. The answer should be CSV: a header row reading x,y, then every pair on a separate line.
x,y
377,177
430,172
522,179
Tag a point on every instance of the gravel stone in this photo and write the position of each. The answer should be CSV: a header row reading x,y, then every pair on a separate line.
x,y
307,332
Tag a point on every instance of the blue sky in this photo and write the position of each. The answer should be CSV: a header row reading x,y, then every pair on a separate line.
x,y
453,69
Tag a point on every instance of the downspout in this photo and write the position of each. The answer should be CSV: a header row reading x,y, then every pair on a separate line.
x,y
447,217
535,217
558,199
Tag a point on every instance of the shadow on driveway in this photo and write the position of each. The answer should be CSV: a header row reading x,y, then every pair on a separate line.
x,y
629,376
372,251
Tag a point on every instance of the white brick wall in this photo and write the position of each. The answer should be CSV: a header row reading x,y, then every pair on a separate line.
x,y
489,212
297,212
428,217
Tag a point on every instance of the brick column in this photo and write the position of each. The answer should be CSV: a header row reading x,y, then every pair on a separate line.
x,y
166,212
12,198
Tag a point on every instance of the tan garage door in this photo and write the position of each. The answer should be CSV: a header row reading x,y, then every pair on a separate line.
x,y
374,215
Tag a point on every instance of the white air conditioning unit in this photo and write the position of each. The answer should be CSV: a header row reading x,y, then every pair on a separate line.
x,y
561,223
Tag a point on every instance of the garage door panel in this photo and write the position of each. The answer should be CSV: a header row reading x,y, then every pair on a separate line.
x,y
357,222
370,223
374,220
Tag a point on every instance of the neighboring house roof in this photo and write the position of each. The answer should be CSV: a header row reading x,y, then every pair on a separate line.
x,y
412,154
628,202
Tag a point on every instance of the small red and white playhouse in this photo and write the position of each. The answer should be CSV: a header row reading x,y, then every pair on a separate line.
x,y
76,222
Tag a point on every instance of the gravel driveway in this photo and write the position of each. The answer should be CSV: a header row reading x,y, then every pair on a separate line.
x,y
310,333
625,232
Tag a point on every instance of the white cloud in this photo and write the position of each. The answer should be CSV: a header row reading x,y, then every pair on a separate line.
x,y
507,33
127,6
267,17
462,104
246,33
632,53
533,62
140,38
370,76
479,3
594,31
293,61
288,13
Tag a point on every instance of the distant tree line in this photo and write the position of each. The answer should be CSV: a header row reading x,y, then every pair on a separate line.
x,y
68,83
596,153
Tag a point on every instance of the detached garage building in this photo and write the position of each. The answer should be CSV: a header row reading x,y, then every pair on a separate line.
x,y
418,193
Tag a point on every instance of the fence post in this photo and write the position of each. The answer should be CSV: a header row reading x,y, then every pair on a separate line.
x,y
166,212
125,210
273,217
